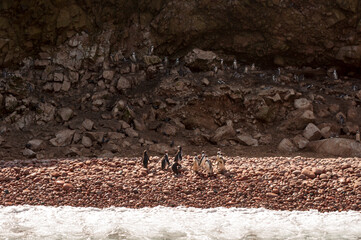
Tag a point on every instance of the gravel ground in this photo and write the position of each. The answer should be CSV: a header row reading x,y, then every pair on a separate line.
x,y
281,183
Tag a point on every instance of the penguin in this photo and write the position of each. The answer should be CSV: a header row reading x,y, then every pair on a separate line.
x,y
176,167
235,64
165,161
335,76
176,62
358,136
220,162
165,62
279,71
151,50
245,69
203,159
222,65
274,79
195,166
215,69
178,155
145,159
133,58
208,166
253,67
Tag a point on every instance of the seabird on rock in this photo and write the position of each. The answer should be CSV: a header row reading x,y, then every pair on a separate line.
x,y
235,64
253,67
335,76
203,159
215,69
151,50
274,78
145,159
178,155
342,120
195,166
208,166
165,161
220,162
246,69
176,167
133,58
222,65
279,71
176,62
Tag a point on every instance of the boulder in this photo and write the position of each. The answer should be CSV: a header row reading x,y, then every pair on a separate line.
x,y
123,83
224,133
11,103
130,132
139,125
62,138
247,140
303,103
286,145
300,141
336,146
151,60
299,119
199,60
96,136
36,144
308,173
88,124
29,153
168,129
108,74
86,141
312,132
65,114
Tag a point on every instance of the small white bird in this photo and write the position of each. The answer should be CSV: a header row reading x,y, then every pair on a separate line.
x,y
235,64
335,76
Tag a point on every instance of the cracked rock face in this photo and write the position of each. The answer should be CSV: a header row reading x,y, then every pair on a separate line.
x,y
264,31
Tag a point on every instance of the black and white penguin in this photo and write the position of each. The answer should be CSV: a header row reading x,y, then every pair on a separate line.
x,y
176,62
133,58
203,159
335,76
220,162
235,66
253,67
151,50
208,167
178,155
195,166
176,167
145,159
165,161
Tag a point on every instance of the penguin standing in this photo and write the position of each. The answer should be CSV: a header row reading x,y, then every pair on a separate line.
x,y
151,50
195,166
178,155
165,161
208,166
145,159
220,162
176,167
235,64
203,159
335,76
133,58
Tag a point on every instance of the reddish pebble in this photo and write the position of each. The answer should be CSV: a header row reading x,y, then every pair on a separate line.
x,y
67,186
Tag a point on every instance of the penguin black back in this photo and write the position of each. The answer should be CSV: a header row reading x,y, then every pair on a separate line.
x,y
165,161
145,159
175,168
178,155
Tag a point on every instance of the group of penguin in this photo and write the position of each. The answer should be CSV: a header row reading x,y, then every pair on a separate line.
x,y
200,163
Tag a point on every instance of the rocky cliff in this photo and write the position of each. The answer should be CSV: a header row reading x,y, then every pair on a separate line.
x,y
281,32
